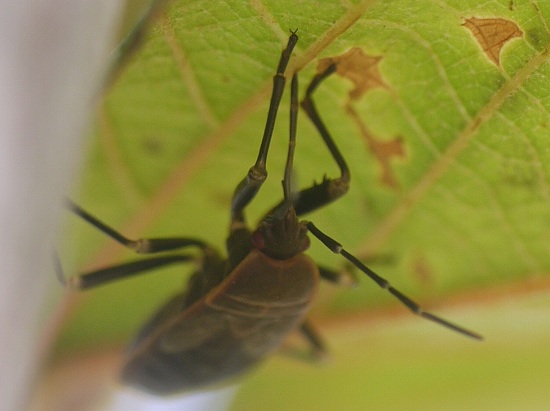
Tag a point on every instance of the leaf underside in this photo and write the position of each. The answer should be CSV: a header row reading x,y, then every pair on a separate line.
x,y
442,110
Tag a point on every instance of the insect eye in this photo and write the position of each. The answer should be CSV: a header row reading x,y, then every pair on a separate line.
x,y
305,243
258,240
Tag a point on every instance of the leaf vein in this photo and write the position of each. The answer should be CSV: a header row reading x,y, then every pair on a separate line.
x,y
397,215
187,75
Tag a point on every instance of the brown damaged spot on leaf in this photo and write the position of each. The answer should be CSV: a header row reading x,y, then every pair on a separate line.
x,y
422,270
362,70
492,34
381,149
358,67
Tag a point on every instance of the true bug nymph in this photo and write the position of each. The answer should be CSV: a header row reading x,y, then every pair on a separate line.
x,y
237,310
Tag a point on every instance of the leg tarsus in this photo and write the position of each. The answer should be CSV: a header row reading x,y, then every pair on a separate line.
x,y
330,189
319,350
345,277
59,272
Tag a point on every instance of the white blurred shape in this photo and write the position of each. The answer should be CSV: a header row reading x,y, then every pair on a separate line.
x,y
52,57
214,400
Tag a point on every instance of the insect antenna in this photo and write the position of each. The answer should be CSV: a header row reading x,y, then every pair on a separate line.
x,y
337,248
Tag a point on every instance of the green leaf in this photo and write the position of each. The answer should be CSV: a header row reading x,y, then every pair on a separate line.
x,y
462,209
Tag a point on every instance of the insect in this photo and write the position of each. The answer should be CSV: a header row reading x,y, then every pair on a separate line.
x,y
238,309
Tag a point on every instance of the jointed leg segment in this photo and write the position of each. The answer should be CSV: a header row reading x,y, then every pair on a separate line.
x,y
317,196
140,246
337,248
250,185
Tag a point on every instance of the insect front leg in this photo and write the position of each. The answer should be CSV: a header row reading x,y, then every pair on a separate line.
x,y
250,185
330,189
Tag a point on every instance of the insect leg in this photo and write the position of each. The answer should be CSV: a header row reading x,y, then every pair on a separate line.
x,y
316,342
132,41
117,272
249,186
337,248
345,277
328,190
142,245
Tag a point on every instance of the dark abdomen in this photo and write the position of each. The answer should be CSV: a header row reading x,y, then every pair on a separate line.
x,y
222,335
